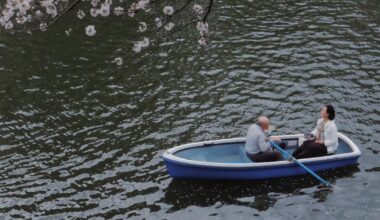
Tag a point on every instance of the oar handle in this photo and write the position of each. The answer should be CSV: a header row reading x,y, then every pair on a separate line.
x,y
286,154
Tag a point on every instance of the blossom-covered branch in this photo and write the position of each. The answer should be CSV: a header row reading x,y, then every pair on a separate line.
x,y
32,15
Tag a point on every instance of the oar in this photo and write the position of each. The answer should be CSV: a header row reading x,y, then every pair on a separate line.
x,y
287,155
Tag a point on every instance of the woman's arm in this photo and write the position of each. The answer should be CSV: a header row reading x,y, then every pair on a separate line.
x,y
315,131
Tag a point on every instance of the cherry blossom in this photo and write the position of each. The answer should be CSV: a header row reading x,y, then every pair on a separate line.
x,y
94,12
118,61
43,26
145,42
202,27
158,22
142,4
90,30
202,41
81,14
168,10
8,25
139,45
104,10
169,26
142,26
197,8
118,11
94,3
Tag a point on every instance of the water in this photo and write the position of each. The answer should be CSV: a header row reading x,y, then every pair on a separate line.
x,y
82,138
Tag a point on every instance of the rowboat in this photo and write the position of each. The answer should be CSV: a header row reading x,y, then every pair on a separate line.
x,y
226,159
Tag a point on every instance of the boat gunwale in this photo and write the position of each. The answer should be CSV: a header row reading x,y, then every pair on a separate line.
x,y
169,154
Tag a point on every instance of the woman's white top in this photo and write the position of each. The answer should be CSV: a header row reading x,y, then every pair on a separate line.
x,y
329,134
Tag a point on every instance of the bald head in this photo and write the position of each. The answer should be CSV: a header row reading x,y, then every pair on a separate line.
x,y
263,122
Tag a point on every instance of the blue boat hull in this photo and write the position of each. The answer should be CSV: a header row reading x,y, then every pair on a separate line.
x,y
182,171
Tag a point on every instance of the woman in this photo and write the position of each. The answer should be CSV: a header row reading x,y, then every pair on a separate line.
x,y
326,137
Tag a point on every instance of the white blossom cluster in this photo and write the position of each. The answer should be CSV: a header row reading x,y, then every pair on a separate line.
x,y
118,61
22,12
90,30
202,26
141,44
103,9
138,6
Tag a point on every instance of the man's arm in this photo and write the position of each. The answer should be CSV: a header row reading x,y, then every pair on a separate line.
x,y
264,143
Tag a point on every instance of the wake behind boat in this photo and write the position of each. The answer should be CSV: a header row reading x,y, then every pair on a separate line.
x,y
226,159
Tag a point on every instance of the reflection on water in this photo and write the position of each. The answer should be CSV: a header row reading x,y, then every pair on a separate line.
x,y
82,138
260,194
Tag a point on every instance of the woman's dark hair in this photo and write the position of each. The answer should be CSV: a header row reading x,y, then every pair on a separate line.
x,y
331,111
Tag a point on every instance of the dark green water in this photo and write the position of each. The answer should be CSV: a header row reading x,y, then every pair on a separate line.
x,y
81,137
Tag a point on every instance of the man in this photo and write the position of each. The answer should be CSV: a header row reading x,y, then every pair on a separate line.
x,y
257,145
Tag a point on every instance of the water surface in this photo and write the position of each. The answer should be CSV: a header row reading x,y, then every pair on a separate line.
x,y
82,138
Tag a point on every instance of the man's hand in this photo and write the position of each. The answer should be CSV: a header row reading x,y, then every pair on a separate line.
x,y
319,142
275,138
